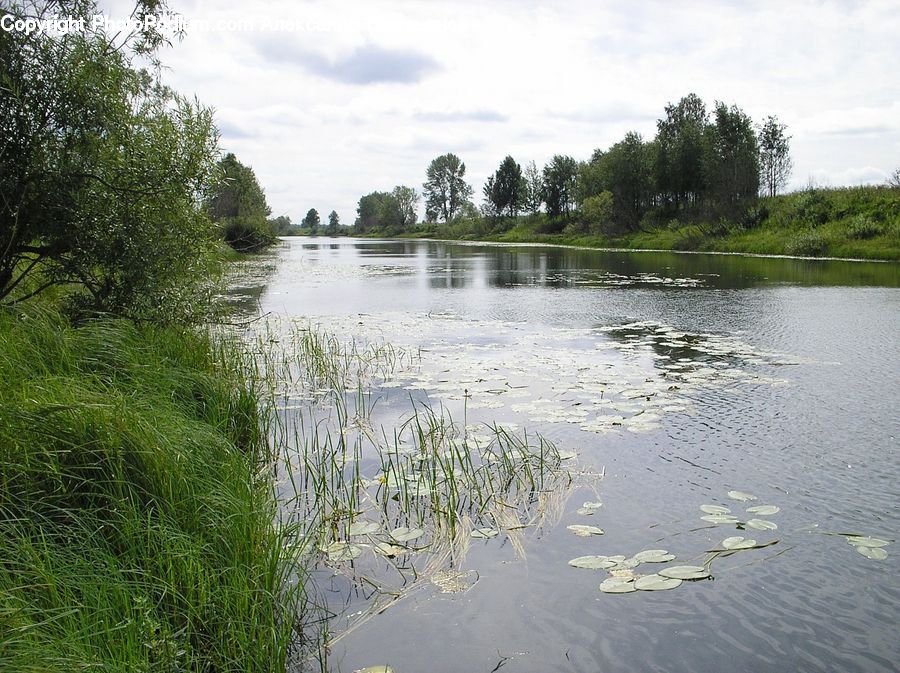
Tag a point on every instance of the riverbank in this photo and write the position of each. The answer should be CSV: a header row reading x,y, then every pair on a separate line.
x,y
138,523
849,223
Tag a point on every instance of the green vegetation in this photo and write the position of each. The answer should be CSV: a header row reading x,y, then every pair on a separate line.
x,y
137,518
237,204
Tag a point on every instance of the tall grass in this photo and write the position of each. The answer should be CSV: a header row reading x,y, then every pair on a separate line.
x,y
137,521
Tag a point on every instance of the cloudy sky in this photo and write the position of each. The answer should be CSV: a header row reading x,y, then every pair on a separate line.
x,y
331,100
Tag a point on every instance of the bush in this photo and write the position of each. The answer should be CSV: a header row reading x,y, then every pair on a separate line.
x,y
597,212
862,227
807,244
247,234
754,216
814,208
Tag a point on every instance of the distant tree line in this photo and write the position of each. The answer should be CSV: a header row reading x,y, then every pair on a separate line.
x,y
701,164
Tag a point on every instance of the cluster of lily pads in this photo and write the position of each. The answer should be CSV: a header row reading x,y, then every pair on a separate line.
x,y
623,578
395,543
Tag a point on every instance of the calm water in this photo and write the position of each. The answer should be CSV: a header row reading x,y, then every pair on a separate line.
x,y
777,377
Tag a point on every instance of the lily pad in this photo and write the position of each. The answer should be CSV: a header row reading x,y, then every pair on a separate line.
x,y
585,531
592,505
585,511
720,518
617,585
404,534
761,524
860,541
654,556
375,669
592,562
342,551
714,509
656,582
363,528
764,510
876,553
484,533
741,495
685,572
386,549
738,542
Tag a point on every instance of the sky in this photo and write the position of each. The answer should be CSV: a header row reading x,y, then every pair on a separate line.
x,y
328,101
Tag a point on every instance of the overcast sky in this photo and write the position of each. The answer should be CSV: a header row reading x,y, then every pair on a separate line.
x,y
360,96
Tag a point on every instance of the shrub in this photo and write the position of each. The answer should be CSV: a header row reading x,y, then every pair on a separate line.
x,y
862,227
807,244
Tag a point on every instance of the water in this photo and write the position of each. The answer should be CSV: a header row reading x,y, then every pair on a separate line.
x,y
684,377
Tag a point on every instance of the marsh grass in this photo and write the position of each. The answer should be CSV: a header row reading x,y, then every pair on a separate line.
x,y
136,511
419,469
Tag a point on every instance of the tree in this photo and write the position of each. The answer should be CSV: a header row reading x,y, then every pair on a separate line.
x,y
408,202
446,189
534,182
489,207
732,160
775,163
894,180
597,211
559,185
507,188
625,170
282,226
679,161
334,223
311,221
379,210
237,204
102,169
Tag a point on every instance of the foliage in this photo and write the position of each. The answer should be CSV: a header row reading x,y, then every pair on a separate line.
x,y
138,530
311,220
534,181
334,224
506,188
379,211
625,170
101,168
732,160
774,156
407,199
597,212
282,226
559,186
807,244
446,189
237,204
679,162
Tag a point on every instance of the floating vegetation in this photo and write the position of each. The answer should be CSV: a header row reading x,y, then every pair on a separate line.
x,y
761,524
738,542
720,518
654,556
617,585
714,509
870,547
656,582
592,562
764,510
741,495
685,572
585,531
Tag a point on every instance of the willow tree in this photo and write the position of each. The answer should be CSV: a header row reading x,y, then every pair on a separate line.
x,y
102,169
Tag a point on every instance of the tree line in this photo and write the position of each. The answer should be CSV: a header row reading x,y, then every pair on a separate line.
x,y
700,164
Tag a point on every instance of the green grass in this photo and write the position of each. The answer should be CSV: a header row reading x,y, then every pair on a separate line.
x,y
137,519
852,222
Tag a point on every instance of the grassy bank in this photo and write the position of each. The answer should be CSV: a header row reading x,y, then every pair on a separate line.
x,y
136,518
857,222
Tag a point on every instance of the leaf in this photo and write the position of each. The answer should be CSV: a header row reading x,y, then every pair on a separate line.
x,y
386,549
738,542
617,585
653,556
761,524
592,562
685,572
714,509
741,495
592,505
656,582
720,518
764,510
585,531
342,551
404,534
876,553
375,669
585,511
484,533
363,528
860,541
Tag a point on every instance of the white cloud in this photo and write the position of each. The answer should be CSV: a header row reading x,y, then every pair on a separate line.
x,y
358,96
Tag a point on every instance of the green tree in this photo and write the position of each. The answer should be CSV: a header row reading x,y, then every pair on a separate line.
x,y
775,163
101,171
534,182
625,170
680,144
311,221
732,160
506,192
407,199
446,189
597,212
334,223
559,186
379,211
237,204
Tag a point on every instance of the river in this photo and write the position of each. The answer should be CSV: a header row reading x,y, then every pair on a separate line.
x,y
680,378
